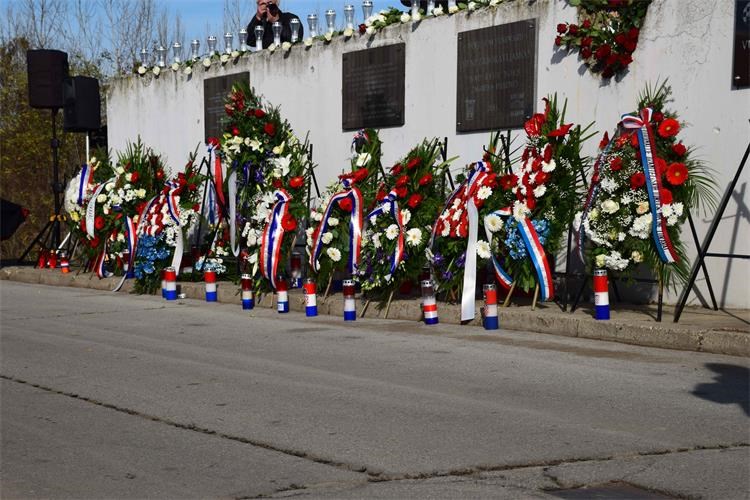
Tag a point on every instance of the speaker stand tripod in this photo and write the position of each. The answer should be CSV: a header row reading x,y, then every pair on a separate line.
x,y
49,236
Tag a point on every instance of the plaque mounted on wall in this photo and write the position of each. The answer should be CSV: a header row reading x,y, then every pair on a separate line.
x,y
372,87
741,60
496,76
215,91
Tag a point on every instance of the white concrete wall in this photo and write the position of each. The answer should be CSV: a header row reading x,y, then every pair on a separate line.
x,y
688,41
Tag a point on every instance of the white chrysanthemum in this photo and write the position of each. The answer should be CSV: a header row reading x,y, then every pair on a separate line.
x,y
235,54
373,219
371,30
483,249
317,216
333,221
417,16
472,6
599,261
520,210
414,237
308,42
101,198
593,214
621,236
392,232
494,3
539,191
376,241
453,9
493,223
615,261
326,237
348,32
272,48
484,192
672,220
334,254
405,216
608,185
549,166
626,198
286,46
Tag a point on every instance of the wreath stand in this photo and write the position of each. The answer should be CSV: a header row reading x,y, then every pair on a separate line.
x,y
703,250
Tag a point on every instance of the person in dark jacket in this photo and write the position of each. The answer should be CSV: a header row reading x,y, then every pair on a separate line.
x,y
268,13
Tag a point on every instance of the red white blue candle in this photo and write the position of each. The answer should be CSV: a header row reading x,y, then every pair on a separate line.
x,y
311,299
42,261
52,259
170,284
64,262
429,304
248,300
490,320
282,295
210,278
601,294
350,306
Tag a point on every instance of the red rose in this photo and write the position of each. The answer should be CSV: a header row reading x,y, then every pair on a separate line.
x,y
621,38
402,181
637,180
630,46
414,200
396,169
608,72
573,29
99,222
666,196
288,222
508,181
296,182
605,140
362,29
558,41
586,53
235,131
277,183
414,163
603,52
229,110
425,179
633,33
677,174
615,164
679,149
669,128
345,205
560,132
259,113
401,192
270,129
94,243
625,60
657,117
586,42
562,28
586,24
612,59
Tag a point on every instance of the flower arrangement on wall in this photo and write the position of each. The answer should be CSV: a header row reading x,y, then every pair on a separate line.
x,y
398,229
606,34
645,182
334,236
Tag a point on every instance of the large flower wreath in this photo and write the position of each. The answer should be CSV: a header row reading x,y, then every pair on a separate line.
x,y
398,229
271,168
165,221
645,182
539,197
607,33
334,237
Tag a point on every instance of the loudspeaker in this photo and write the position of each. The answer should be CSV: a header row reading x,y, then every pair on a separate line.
x,y
46,70
82,104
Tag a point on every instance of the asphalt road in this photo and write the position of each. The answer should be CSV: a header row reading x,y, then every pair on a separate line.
x,y
108,395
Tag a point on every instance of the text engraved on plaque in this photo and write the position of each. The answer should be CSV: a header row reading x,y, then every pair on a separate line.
x,y
372,88
215,92
741,60
496,76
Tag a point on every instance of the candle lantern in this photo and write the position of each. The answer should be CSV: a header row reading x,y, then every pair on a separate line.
x,y
430,7
248,301
259,37
367,9
294,24
311,299
276,27
228,37
210,278
161,60
349,16
429,304
211,45
52,259
170,284
295,264
195,47
312,24
331,20
451,5
350,305
243,40
144,57
282,295
177,52
64,262
490,320
41,263
601,294
414,8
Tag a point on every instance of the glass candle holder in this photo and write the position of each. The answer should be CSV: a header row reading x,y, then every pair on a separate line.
x,y
195,47
312,24
349,16
259,38
211,45
331,20
228,37
177,52
161,60
294,25
276,27
243,39
367,9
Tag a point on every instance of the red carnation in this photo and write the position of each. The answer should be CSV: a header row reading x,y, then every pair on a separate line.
x,y
562,28
362,29
615,164
259,113
381,195
288,222
345,204
270,129
296,182
401,192
413,163
560,132
414,200
99,222
637,180
679,149
396,169
235,131
625,60
425,179
402,181
508,181
677,174
660,166
669,128
657,117
634,141
665,195
196,207
360,175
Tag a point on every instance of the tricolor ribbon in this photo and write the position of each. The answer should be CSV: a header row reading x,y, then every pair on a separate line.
x,y
91,207
214,163
352,193
642,126
273,236
87,177
390,205
233,213
536,252
99,266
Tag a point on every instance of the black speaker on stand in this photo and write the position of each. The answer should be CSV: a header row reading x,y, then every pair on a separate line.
x,y
82,112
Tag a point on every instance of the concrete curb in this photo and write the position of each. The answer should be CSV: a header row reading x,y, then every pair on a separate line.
x,y
629,327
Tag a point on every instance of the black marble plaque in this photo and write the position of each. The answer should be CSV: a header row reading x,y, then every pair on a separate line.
x,y
215,92
372,88
496,76
741,66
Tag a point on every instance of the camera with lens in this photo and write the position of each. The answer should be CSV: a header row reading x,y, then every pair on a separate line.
x,y
273,9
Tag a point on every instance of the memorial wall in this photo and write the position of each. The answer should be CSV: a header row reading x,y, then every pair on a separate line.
x,y
457,77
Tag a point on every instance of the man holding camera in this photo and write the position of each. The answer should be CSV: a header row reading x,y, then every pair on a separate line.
x,y
268,13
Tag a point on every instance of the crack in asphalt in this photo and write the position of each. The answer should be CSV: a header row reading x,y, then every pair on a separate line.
x,y
372,476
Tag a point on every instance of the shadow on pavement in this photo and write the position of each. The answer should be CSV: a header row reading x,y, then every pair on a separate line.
x,y
731,385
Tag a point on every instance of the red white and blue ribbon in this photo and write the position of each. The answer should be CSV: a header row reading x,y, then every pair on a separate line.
x,y
273,236
87,177
173,207
352,193
101,272
502,277
215,164
390,205
536,252
646,143
91,207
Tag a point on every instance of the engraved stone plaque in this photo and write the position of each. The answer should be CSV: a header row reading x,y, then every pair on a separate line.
x,y
215,92
373,88
496,82
741,66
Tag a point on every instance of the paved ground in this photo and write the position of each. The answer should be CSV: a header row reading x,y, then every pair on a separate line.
x,y
116,396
